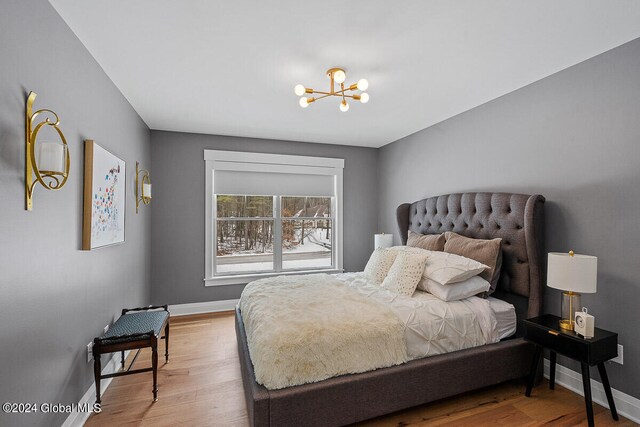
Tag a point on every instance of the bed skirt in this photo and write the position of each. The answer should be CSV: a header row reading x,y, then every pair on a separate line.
x,y
351,398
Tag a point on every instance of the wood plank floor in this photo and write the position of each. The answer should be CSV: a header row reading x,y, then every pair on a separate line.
x,y
201,386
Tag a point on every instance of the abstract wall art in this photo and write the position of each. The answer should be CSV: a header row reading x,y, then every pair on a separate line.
x,y
104,197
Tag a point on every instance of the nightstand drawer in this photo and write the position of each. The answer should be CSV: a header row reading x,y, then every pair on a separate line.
x,y
557,341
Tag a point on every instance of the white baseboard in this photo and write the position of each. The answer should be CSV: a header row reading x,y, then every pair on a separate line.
x,y
202,307
77,419
626,405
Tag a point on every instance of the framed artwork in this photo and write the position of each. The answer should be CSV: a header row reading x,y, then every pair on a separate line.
x,y
104,197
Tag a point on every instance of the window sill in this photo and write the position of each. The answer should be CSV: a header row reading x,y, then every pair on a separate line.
x,y
243,279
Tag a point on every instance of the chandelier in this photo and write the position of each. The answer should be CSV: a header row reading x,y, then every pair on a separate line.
x,y
336,75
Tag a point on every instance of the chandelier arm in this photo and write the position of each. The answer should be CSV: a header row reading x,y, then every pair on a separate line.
x,y
326,95
336,93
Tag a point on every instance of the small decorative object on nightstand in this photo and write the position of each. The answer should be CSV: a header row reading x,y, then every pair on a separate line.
x,y
585,323
571,273
544,332
382,240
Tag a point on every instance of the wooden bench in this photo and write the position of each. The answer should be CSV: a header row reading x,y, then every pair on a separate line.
x,y
136,329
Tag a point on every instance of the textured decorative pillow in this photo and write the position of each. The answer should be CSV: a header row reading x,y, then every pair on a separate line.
x,y
487,252
379,264
409,249
456,291
405,273
446,268
432,242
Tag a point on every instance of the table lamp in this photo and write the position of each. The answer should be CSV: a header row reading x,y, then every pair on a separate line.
x,y
571,273
382,240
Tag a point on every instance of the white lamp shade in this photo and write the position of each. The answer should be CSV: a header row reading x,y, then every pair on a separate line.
x,y
577,273
51,157
146,191
383,240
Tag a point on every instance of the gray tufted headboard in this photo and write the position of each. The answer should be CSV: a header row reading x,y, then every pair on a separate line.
x,y
516,218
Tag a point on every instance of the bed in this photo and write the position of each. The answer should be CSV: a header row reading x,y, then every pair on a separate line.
x,y
518,220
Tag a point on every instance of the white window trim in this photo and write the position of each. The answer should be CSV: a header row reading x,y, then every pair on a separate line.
x,y
240,161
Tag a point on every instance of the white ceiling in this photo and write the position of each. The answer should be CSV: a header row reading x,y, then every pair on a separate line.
x,y
229,67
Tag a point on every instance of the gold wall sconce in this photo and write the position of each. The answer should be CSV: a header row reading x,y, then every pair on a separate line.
x,y
143,186
48,166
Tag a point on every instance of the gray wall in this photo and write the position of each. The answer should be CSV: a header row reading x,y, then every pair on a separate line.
x,y
54,298
177,254
573,137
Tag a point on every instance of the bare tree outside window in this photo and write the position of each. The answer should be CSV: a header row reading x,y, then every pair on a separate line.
x,y
245,233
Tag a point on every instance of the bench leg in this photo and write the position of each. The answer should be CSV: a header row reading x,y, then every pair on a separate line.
x,y
154,365
122,357
166,342
97,372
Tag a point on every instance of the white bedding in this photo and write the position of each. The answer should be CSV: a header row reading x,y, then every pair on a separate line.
x,y
303,329
433,326
505,314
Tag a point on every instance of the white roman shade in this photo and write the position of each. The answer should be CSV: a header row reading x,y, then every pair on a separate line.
x,y
272,183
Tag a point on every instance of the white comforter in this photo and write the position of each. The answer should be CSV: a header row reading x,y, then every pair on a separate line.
x,y
303,329
432,326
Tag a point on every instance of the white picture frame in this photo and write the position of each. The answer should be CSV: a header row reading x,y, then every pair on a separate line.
x,y
104,198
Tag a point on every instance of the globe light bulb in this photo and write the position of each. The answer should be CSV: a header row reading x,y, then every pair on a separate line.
x,y
304,102
363,84
344,107
339,76
364,98
299,90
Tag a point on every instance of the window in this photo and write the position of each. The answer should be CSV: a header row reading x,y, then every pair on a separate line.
x,y
244,234
307,239
271,214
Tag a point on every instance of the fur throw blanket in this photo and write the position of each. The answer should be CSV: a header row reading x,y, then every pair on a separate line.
x,y
304,329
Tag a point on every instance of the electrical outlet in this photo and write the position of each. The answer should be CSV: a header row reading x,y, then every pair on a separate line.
x,y
90,352
106,328
620,358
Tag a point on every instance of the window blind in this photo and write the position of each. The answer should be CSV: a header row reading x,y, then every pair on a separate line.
x,y
272,183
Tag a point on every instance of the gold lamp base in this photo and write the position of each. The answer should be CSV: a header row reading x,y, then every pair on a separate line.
x,y
570,303
567,324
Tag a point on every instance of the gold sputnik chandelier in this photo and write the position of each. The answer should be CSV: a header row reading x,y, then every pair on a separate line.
x,y
336,75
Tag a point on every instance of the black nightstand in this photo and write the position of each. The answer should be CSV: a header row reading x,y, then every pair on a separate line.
x,y
545,332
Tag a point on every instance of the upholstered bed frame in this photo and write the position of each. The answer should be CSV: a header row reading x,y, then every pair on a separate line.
x,y
518,220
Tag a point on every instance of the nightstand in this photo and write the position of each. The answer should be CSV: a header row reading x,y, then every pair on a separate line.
x,y
545,332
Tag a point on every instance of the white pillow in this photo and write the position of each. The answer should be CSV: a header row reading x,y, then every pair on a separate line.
x,y
405,273
446,268
379,264
455,291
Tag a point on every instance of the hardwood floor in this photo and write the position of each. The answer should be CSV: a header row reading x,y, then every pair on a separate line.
x,y
201,386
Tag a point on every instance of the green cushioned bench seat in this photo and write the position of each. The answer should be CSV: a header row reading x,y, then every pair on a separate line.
x,y
136,329
137,323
